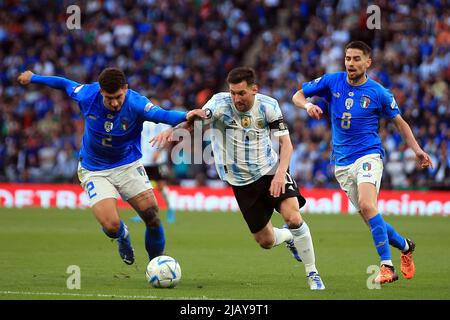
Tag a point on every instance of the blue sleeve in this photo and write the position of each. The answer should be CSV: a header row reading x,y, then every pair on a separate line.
x,y
55,82
317,87
389,106
150,112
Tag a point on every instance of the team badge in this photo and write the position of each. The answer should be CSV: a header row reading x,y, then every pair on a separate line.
x,y
394,104
365,101
260,123
348,103
124,123
366,166
246,121
108,126
148,106
208,113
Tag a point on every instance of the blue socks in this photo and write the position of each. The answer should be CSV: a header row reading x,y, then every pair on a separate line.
x,y
154,241
380,237
154,238
395,239
121,233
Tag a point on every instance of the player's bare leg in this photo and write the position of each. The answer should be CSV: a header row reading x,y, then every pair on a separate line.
x,y
105,211
146,206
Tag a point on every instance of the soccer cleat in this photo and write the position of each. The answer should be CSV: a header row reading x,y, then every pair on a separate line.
x,y
291,246
387,274
315,282
126,251
406,262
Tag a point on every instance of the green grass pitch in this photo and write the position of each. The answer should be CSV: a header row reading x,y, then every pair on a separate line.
x,y
218,257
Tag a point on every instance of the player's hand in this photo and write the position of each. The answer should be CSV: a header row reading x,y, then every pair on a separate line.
x,y
161,140
314,111
424,159
196,114
25,77
278,184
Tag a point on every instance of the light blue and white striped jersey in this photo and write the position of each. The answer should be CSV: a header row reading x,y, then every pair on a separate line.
x,y
241,141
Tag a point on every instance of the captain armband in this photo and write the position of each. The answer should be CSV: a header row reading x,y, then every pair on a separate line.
x,y
279,127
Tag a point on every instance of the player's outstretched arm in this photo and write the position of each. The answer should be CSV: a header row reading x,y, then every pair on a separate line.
x,y
300,101
406,132
28,77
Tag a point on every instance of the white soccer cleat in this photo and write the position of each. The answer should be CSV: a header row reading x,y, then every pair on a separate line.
x,y
315,282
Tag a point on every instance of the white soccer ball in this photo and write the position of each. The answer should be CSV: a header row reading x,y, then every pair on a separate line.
x,y
163,272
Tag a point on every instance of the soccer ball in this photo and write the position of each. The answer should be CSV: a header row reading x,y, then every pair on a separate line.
x,y
163,272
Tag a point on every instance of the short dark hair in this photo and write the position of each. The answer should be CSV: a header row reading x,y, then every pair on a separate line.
x,y
361,46
112,79
237,75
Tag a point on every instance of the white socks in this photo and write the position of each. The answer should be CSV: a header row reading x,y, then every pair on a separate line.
x,y
281,235
303,243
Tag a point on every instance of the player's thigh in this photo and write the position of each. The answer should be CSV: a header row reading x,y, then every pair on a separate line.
x,y
97,185
369,169
131,181
255,204
347,181
367,200
106,213
290,211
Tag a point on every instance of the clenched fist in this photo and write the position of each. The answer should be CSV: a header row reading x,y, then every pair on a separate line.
x,y
25,77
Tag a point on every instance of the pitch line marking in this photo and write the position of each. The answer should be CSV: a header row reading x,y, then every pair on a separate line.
x,y
100,295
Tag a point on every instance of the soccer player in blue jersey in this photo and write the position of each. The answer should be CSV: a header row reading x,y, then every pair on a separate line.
x,y
109,164
356,104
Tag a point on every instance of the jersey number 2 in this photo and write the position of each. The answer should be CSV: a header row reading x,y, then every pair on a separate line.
x,y
106,141
345,122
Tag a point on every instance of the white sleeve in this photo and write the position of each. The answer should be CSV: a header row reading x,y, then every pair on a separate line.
x,y
211,110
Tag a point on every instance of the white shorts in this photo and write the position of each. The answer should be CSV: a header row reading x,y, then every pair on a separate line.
x,y
126,181
366,169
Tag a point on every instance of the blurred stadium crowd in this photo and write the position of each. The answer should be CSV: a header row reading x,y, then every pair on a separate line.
x,y
178,53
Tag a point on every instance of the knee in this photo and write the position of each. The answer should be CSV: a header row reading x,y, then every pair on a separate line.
x,y
150,216
265,243
366,207
293,220
111,226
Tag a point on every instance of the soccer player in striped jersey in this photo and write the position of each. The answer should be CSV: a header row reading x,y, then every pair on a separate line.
x,y
109,164
356,104
241,122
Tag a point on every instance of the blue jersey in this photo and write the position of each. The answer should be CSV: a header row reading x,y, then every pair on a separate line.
x,y
355,112
111,139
